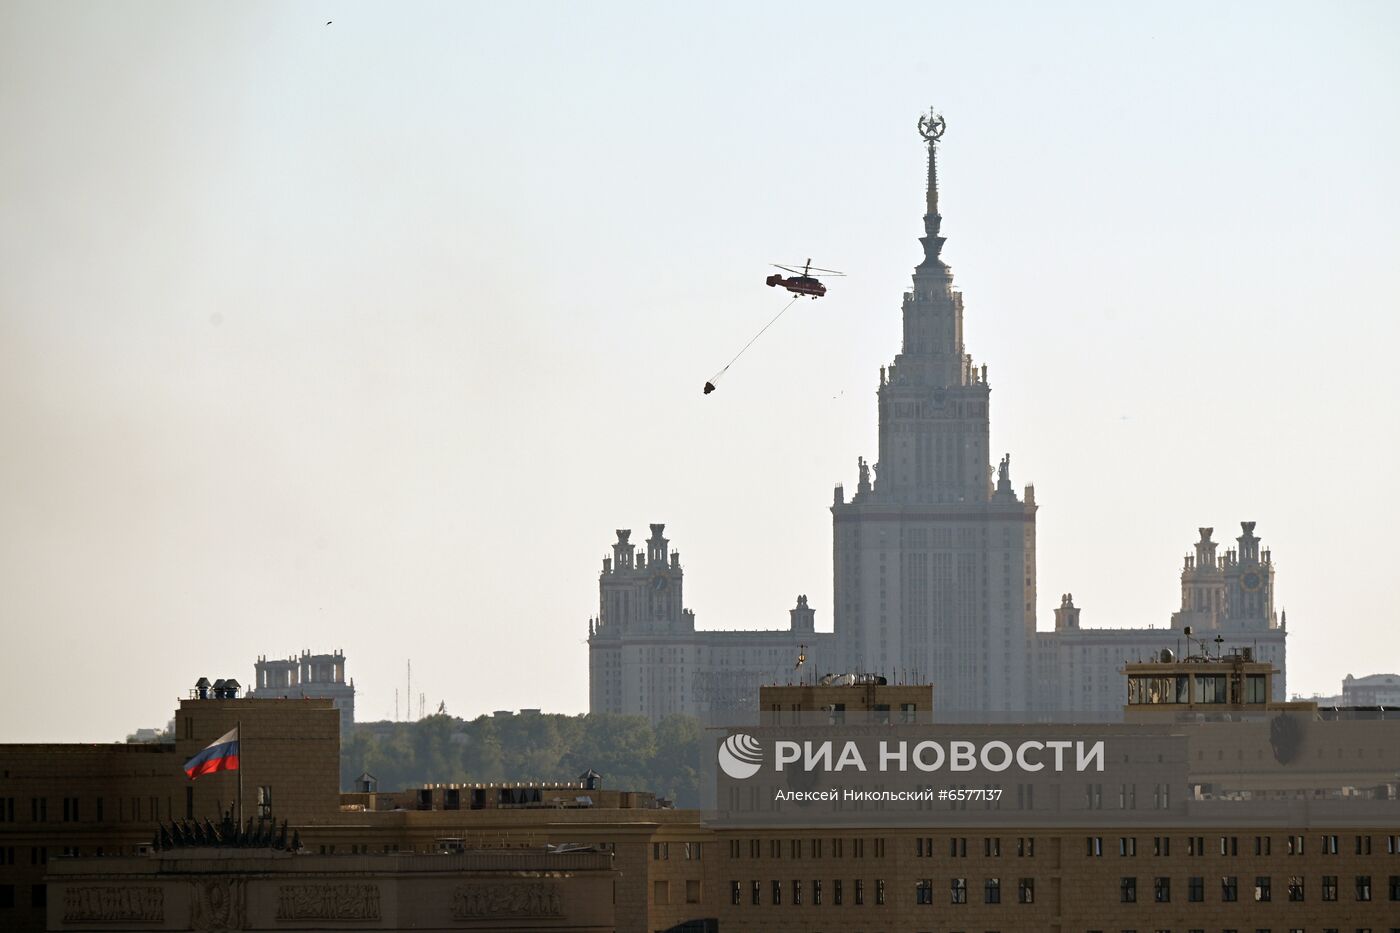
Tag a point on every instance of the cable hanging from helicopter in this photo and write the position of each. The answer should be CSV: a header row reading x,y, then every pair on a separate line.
x,y
800,283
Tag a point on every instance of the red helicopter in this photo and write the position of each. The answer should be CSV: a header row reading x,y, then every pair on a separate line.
x,y
802,281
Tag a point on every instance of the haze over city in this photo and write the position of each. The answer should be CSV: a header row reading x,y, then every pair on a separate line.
x,y
367,335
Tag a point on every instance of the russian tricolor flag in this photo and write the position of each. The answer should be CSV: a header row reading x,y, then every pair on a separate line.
x,y
222,755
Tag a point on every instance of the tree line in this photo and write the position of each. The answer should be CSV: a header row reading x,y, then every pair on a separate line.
x,y
628,751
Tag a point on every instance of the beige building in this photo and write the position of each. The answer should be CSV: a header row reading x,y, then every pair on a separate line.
x,y
1265,827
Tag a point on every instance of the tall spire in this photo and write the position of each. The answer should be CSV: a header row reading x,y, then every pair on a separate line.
x,y
931,127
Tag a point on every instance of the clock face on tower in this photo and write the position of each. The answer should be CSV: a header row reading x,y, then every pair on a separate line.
x,y
659,583
1251,581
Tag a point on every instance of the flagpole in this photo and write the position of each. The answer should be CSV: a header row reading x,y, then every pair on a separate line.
x,y
240,771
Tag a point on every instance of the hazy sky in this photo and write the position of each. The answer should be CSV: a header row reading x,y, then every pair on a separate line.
x,y
368,335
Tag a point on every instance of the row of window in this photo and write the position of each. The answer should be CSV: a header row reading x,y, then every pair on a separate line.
x,y
1230,845
1296,887
815,847
1127,846
796,891
689,851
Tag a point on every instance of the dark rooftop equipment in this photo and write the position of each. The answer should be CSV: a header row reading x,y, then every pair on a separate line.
x,y
201,688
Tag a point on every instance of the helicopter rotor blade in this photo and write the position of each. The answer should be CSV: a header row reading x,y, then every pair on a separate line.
x,y
827,271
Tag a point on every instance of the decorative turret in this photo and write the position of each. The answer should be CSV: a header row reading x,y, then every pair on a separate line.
x,y
803,617
1067,616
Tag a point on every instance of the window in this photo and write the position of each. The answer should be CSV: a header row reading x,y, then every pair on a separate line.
x,y
1394,888
1295,888
754,848
1329,887
264,802
1295,845
1162,845
660,892
692,851
1263,845
880,891
1195,845
1127,890
1025,891
795,848
734,848
991,847
39,809
1229,888
923,847
1162,890
736,893
923,891
836,895
991,891
7,896
1363,887
777,892
1329,844
1196,889
7,809
860,892
1025,847
1229,845
957,847
1363,845
692,892
816,892
1262,891
1127,845
796,892
1094,845
659,850
959,891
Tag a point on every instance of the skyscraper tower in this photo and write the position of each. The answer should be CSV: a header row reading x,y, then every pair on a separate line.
x,y
934,559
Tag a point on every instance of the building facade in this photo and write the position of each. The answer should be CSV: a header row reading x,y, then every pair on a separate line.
x,y
647,658
933,563
1264,828
934,555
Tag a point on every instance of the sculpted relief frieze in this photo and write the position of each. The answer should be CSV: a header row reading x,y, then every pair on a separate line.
x,y
504,899
109,904
328,902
